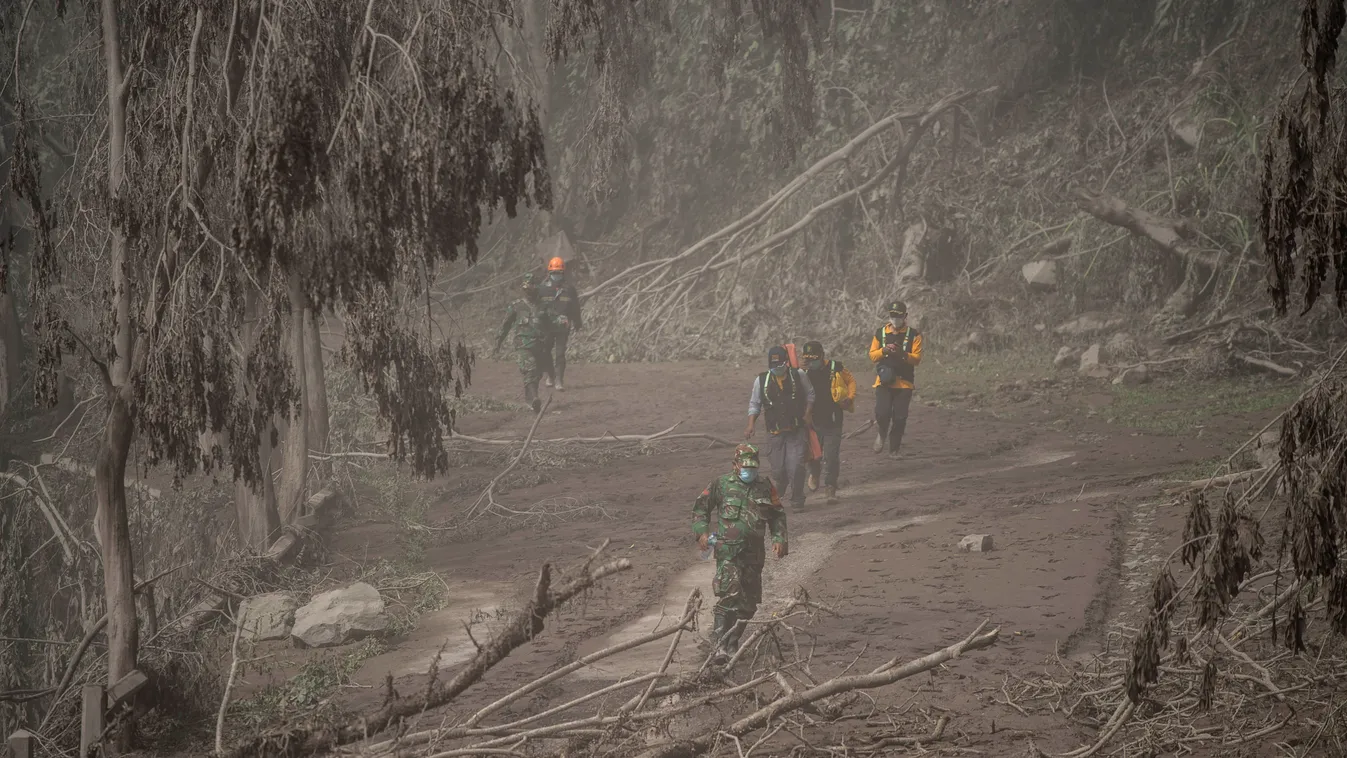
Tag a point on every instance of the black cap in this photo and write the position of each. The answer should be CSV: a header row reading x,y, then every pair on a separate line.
x,y
777,356
813,349
897,308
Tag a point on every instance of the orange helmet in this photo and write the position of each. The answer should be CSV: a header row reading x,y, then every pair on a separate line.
x,y
556,264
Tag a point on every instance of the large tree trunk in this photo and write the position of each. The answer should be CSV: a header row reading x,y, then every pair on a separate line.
x,y
295,461
316,394
258,520
110,480
534,13
255,506
11,352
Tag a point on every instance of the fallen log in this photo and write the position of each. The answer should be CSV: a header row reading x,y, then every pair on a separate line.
x,y
1169,235
1265,365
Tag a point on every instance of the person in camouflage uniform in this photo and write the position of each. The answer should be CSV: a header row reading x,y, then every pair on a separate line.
x,y
747,508
532,323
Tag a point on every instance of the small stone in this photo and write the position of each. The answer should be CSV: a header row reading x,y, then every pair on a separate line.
x,y
976,543
1040,274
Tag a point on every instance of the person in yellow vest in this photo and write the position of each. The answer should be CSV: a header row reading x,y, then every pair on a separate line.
x,y
895,350
834,394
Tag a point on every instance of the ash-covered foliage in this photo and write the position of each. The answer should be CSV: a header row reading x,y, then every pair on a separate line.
x,y
623,41
324,156
1302,205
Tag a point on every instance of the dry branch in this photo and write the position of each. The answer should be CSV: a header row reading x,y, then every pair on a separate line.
x,y
884,675
521,628
1169,235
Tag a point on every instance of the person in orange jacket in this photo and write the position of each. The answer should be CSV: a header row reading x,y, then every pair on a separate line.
x,y
895,350
560,298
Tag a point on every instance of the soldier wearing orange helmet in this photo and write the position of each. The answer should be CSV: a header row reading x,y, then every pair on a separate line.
x,y
560,298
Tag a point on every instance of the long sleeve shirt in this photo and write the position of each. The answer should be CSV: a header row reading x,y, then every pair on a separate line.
x,y
755,399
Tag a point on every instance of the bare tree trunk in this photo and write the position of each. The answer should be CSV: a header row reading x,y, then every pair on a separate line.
x,y
255,507
534,14
316,394
110,480
11,362
535,22
295,460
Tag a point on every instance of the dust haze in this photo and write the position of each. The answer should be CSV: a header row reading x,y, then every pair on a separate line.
x,y
668,379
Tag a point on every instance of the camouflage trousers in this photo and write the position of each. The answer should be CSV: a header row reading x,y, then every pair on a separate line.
x,y
529,369
738,585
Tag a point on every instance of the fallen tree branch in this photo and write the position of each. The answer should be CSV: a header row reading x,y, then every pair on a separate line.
x,y
1226,479
72,466
521,628
1169,235
1264,364
884,675
489,493
841,155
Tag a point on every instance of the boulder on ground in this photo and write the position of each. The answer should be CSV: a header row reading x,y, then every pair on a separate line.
x,y
268,617
1066,356
340,616
1091,363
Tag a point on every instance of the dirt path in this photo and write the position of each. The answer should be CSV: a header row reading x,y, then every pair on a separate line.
x,y
1055,503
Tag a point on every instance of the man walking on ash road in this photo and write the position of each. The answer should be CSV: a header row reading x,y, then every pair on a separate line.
x,y
561,299
532,323
785,399
746,509
895,350
834,394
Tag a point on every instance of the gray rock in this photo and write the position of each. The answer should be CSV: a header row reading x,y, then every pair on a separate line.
x,y
268,617
1040,274
1133,376
340,616
1066,356
1091,363
976,543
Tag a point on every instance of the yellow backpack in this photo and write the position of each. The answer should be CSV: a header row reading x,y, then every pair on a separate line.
x,y
843,387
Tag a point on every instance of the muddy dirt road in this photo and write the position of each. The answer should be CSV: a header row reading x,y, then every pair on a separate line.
x,y
1058,505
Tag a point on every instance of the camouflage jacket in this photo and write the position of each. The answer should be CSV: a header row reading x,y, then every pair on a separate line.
x,y
745,513
531,322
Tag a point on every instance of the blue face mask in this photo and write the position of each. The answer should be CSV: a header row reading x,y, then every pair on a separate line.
x,y
748,475
555,277
778,370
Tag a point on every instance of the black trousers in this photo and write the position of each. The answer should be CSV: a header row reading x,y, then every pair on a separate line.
x,y
891,414
554,356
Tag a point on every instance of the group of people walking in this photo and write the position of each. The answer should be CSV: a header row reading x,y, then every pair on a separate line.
x,y
742,509
543,320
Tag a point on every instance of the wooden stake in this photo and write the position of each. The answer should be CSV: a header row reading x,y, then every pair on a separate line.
x,y
91,725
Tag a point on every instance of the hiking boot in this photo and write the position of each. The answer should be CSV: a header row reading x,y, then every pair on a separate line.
x,y
894,454
547,382
878,447
537,405
560,388
831,494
